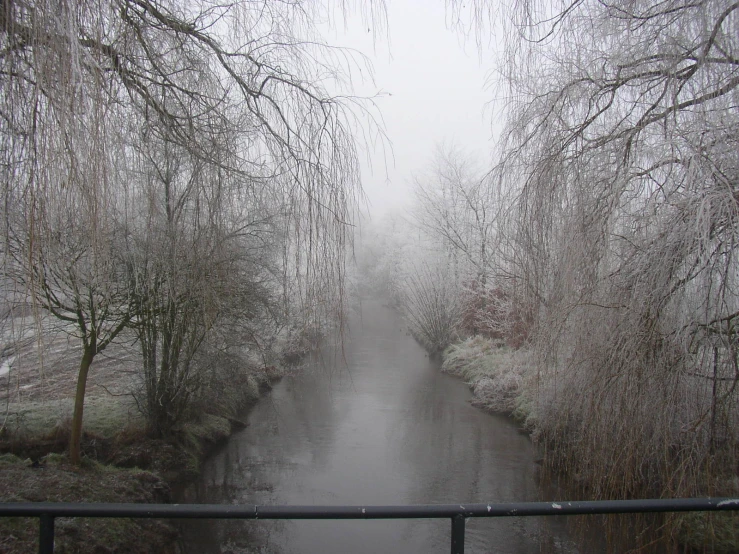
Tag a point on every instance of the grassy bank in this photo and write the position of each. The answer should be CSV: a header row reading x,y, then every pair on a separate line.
x,y
505,381
122,463
498,376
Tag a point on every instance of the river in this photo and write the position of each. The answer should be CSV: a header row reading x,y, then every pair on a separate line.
x,y
372,421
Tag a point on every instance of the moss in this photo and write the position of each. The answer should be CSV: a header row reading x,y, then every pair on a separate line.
x,y
252,387
55,458
475,358
493,372
17,533
195,438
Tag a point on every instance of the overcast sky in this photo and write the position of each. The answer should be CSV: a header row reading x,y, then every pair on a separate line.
x,y
436,91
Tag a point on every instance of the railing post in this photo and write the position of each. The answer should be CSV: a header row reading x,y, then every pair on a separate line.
x,y
458,534
46,534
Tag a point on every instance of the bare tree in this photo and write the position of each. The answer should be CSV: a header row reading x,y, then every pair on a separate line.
x,y
197,251
431,304
77,281
622,160
454,205
458,205
81,80
385,254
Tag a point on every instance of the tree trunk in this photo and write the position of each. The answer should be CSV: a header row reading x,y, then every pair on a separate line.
x,y
75,456
712,445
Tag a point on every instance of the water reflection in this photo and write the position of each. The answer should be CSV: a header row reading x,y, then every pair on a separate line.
x,y
372,423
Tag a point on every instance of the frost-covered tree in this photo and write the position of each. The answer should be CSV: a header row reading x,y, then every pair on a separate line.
x,y
621,150
241,92
454,204
460,208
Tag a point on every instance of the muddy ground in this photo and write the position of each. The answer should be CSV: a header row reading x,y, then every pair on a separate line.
x,y
55,480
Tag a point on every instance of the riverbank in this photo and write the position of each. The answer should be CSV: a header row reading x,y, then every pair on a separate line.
x,y
503,382
121,462
497,376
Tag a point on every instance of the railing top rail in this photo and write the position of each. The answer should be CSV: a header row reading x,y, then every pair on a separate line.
x,y
492,509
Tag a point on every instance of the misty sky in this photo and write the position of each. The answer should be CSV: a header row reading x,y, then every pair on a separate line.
x,y
436,85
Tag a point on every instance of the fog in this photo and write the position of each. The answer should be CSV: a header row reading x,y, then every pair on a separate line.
x,y
432,85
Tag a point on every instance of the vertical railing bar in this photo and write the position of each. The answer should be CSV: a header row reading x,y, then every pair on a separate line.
x,y
458,534
46,534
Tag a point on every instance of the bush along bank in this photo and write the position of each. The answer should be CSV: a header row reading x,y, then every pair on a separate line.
x,y
505,381
496,374
125,465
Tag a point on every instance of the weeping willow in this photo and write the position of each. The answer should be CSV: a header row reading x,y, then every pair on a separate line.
x,y
148,144
622,152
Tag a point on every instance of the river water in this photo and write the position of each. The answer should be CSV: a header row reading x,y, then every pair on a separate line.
x,y
372,421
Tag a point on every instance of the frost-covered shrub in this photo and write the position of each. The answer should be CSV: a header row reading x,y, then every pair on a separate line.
x,y
465,359
497,375
431,304
497,394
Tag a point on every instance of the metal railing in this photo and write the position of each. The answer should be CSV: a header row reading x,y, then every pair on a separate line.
x,y
457,513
